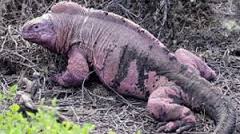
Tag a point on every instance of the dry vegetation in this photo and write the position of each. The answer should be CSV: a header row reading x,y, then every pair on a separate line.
x,y
210,28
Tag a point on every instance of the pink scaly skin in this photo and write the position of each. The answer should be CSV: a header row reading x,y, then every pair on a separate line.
x,y
130,60
76,71
195,64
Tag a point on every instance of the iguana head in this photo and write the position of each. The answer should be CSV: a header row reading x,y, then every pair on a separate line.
x,y
40,30
55,29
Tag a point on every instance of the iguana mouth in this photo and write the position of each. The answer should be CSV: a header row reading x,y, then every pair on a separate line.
x,y
29,36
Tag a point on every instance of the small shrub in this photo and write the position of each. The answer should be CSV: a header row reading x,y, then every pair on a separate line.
x,y
43,122
9,95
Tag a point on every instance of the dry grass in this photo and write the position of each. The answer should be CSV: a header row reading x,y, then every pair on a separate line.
x,y
197,26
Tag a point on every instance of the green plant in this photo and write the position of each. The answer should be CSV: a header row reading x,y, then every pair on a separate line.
x,y
43,122
10,94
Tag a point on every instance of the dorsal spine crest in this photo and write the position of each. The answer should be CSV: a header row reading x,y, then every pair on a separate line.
x,y
68,7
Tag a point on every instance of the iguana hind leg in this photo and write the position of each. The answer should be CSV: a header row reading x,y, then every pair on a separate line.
x,y
195,64
166,105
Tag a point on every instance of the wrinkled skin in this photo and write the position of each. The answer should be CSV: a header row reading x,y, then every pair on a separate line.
x,y
130,61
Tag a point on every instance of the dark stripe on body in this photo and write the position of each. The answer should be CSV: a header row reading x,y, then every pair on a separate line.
x,y
144,65
126,57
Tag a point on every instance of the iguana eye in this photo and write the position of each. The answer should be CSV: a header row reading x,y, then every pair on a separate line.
x,y
35,27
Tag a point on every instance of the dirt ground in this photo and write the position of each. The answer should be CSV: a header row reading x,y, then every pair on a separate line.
x,y
209,28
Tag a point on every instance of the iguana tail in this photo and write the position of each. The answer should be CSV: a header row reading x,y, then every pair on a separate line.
x,y
216,105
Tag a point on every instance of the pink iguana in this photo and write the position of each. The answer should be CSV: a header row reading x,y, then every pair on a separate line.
x,y
132,61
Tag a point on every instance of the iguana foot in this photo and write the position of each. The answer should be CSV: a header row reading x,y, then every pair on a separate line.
x,y
177,126
195,64
66,79
166,104
62,80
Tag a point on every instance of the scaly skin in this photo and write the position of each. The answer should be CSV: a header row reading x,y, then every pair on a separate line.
x,y
132,61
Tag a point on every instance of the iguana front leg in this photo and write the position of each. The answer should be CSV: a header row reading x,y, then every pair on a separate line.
x,y
77,70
